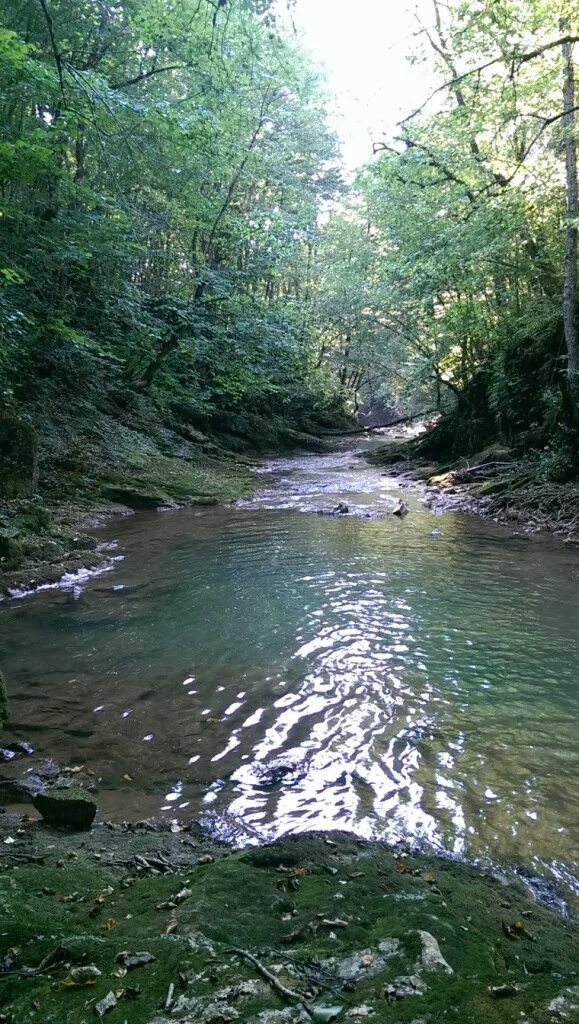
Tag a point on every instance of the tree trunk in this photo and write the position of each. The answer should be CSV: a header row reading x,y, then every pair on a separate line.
x,y
570,275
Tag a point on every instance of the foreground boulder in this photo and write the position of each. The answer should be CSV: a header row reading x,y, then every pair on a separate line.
x,y
67,808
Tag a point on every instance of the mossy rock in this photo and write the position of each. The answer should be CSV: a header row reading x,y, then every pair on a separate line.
x,y
67,808
3,701
18,457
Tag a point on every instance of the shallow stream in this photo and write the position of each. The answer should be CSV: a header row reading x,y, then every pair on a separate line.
x,y
414,677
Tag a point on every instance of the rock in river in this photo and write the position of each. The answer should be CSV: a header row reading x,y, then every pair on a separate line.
x,y
71,808
400,510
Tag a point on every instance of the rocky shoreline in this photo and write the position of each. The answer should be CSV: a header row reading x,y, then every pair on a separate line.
x,y
492,484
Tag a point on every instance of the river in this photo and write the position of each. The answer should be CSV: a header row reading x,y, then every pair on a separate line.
x,y
412,677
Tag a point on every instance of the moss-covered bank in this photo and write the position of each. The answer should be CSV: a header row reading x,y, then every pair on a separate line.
x,y
78,466
373,932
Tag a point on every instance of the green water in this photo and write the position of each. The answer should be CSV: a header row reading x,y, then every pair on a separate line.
x,y
264,663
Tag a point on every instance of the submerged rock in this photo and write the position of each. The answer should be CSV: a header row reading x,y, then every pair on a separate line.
x,y
70,808
21,747
21,791
341,509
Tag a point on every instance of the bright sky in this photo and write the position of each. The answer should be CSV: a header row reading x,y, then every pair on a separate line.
x,y
363,45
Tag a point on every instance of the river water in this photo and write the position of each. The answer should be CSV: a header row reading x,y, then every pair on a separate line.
x,y
400,678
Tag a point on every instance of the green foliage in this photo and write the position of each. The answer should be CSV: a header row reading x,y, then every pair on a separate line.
x,y
162,169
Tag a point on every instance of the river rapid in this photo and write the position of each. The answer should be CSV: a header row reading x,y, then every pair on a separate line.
x,y
401,678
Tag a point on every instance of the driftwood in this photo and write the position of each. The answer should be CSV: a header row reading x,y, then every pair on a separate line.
x,y
481,467
379,426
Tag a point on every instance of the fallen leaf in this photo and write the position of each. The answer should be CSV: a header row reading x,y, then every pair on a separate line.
x,y
102,896
502,991
429,877
111,922
108,1003
73,897
119,972
300,872
517,930
171,924
131,960
128,778
205,858
175,900
83,974
403,869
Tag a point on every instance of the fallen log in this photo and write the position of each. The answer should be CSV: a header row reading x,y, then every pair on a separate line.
x,y
379,426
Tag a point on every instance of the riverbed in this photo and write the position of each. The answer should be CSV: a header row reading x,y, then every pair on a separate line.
x,y
401,678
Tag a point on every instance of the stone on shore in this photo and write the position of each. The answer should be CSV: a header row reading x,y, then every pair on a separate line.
x,y
69,808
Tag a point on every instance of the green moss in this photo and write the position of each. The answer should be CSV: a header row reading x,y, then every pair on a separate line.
x,y
150,480
243,901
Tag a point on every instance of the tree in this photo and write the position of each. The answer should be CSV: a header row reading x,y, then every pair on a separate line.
x,y
476,213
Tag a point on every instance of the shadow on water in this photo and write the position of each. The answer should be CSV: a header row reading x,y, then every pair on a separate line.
x,y
413,678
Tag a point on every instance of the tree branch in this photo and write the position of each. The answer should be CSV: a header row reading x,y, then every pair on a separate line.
x,y
57,58
143,75
516,61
